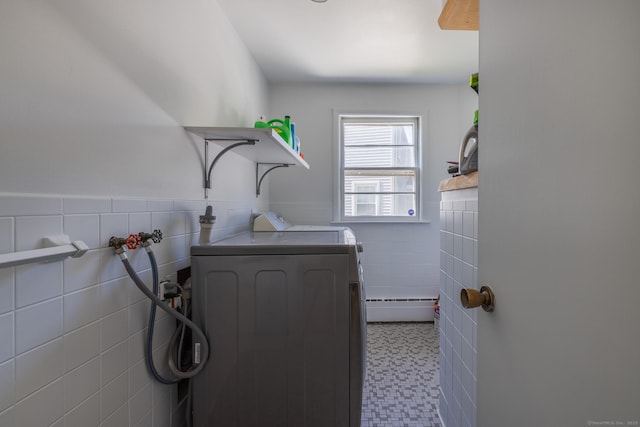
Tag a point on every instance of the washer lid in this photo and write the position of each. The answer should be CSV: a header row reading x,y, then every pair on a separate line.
x,y
281,242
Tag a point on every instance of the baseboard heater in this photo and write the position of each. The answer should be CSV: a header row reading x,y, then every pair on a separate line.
x,y
432,300
400,309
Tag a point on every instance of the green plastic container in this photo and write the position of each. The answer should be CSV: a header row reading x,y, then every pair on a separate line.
x,y
283,127
474,82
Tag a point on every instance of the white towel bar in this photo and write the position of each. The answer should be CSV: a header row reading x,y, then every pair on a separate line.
x,y
55,248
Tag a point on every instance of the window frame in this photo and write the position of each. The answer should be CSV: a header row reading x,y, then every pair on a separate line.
x,y
340,117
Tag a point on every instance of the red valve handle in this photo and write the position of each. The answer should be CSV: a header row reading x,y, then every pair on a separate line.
x,y
133,241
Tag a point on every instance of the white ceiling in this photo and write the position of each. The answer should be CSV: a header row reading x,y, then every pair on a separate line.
x,y
353,41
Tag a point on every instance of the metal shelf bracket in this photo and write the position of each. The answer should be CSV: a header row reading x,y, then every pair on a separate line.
x,y
209,169
259,178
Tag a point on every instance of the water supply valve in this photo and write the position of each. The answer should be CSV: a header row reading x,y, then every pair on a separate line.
x,y
156,236
133,241
118,243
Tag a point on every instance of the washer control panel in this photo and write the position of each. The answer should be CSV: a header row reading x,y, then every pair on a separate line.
x,y
270,221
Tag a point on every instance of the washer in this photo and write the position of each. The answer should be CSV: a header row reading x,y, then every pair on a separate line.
x,y
284,315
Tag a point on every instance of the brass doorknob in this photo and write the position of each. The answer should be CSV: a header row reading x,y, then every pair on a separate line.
x,y
471,298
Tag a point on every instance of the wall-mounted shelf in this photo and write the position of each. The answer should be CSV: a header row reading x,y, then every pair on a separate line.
x,y
262,145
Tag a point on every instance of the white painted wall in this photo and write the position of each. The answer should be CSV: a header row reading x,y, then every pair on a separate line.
x,y
93,97
400,260
100,92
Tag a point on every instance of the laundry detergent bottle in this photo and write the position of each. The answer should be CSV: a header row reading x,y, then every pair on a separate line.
x,y
469,149
282,127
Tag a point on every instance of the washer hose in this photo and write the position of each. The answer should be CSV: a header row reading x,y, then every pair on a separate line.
x,y
151,326
200,340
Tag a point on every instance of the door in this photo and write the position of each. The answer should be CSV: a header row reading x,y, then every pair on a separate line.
x,y
559,213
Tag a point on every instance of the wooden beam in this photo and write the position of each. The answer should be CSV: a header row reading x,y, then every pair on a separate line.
x,y
459,15
459,182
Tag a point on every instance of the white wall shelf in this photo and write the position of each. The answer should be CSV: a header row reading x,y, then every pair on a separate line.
x,y
262,145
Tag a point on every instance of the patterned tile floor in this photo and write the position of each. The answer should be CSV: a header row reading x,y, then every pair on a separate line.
x,y
401,386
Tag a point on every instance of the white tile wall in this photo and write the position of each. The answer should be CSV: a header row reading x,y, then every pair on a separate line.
x,y
80,383
83,205
37,368
85,414
73,331
400,261
7,276
18,205
140,404
6,229
119,418
81,345
79,308
458,269
145,422
29,286
114,329
7,391
41,408
38,324
7,328
81,273
31,229
113,395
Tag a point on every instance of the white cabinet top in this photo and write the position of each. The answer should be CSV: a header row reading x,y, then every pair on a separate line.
x,y
269,147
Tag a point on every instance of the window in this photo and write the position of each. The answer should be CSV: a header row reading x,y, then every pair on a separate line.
x,y
379,168
365,203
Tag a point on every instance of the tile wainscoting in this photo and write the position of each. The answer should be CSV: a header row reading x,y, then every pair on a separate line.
x,y
73,331
458,269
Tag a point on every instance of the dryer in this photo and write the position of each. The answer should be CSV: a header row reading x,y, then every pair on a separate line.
x,y
285,318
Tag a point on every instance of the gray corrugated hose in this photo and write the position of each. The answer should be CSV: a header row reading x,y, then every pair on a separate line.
x,y
200,340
